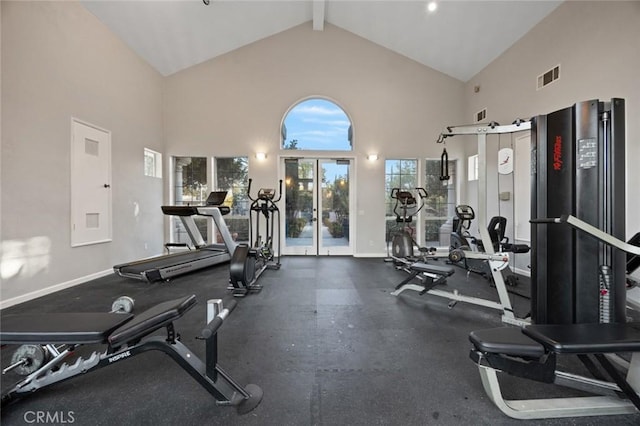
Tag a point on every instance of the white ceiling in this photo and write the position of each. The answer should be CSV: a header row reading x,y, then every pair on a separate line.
x,y
459,39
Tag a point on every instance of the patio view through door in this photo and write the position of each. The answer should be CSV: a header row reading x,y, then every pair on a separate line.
x,y
317,202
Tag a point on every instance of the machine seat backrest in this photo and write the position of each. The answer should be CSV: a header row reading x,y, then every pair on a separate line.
x,y
496,228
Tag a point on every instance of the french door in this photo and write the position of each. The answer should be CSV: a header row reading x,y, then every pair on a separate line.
x,y
318,204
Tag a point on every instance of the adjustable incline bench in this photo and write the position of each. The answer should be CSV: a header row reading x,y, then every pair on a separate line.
x,y
531,353
126,336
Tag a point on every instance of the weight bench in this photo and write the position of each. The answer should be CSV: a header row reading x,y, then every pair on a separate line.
x,y
432,275
531,353
49,339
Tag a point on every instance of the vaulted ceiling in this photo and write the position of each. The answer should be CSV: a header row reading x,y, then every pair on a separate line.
x,y
459,39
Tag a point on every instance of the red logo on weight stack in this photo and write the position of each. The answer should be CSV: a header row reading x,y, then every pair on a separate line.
x,y
557,153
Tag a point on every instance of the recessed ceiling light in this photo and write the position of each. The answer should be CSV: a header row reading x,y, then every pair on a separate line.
x,y
432,6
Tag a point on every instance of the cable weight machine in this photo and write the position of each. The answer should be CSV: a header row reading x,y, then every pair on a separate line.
x,y
496,261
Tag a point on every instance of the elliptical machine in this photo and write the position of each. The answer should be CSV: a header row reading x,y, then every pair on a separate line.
x,y
403,243
249,262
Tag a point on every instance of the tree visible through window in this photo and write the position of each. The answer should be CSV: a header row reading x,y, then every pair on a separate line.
x,y
190,188
398,174
441,202
232,175
317,124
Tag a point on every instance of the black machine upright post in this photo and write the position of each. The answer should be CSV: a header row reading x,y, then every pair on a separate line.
x,y
578,168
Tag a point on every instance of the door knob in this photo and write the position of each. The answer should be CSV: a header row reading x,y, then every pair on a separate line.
x,y
106,185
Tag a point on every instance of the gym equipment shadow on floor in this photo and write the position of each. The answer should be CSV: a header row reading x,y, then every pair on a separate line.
x,y
324,339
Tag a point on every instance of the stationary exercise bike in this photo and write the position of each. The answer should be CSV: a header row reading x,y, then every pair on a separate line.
x,y
462,240
249,262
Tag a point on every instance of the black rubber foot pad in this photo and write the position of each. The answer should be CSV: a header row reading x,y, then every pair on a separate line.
x,y
253,401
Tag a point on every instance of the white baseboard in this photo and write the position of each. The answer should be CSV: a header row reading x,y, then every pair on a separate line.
x,y
380,255
57,287
524,272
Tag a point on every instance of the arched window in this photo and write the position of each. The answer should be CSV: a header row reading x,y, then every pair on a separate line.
x,y
317,124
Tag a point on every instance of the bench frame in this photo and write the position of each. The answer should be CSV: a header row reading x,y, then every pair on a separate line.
x,y
430,277
607,402
208,374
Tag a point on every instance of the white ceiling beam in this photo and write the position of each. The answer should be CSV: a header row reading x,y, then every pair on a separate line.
x,y
319,7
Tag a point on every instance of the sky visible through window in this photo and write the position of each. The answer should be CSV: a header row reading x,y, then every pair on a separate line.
x,y
317,124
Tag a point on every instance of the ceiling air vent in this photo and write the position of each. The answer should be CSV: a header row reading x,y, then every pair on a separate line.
x,y
481,115
549,77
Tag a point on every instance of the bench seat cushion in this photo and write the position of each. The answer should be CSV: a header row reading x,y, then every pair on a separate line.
x,y
151,320
432,269
62,328
507,341
587,338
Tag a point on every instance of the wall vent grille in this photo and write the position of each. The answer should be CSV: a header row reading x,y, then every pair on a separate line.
x,y
548,77
481,115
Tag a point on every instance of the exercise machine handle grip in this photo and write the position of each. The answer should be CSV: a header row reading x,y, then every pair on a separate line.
x,y
561,219
444,165
593,231
249,190
212,328
280,193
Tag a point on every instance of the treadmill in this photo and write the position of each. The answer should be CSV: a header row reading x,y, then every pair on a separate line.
x,y
167,266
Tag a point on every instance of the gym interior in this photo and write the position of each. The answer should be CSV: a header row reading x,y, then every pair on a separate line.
x,y
158,195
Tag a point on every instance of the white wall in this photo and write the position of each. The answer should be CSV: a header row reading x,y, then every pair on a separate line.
x,y
234,104
58,62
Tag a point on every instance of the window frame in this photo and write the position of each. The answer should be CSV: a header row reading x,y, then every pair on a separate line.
x,y
157,163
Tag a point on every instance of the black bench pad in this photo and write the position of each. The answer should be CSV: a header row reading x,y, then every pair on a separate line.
x,y
67,328
432,269
587,338
507,341
152,319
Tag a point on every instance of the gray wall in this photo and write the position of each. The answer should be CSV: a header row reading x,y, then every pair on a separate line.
x,y
234,104
58,62
596,45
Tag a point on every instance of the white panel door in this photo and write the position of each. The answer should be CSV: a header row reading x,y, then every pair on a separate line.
x,y
90,184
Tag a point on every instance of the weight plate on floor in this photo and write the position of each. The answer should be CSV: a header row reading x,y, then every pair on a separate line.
x,y
34,357
122,305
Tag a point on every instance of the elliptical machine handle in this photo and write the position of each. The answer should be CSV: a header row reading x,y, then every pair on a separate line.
x,y
280,192
422,193
249,191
